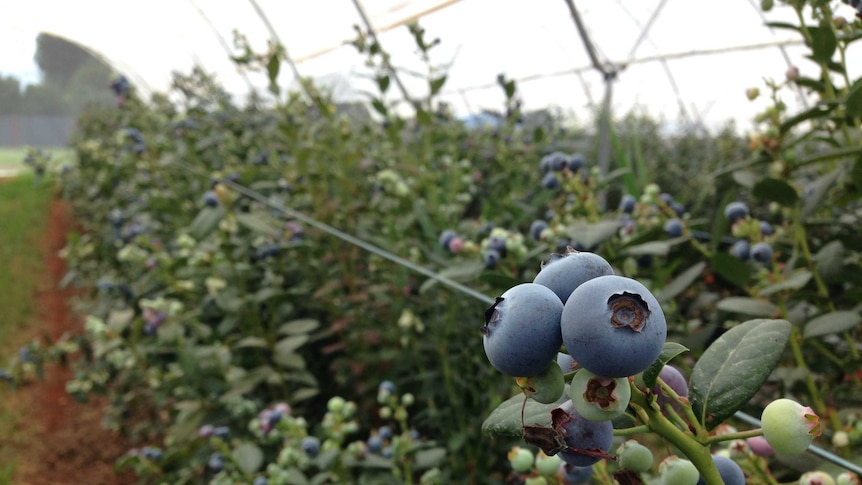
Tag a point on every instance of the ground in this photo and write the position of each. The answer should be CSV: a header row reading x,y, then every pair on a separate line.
x,y
56,439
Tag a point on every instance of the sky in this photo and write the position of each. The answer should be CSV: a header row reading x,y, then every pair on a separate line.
x,y
16,58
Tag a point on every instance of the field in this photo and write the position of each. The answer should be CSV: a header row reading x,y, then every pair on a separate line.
x,y
12,159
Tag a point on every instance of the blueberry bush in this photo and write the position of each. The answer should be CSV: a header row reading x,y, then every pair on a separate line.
x,y
242,338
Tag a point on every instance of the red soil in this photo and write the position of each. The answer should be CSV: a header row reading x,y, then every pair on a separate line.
x,y
59,440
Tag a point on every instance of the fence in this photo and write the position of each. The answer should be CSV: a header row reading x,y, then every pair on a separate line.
x,y
35,130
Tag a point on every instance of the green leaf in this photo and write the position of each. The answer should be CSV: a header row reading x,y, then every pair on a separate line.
x,y
591,235
272,68
776,190
853,101
429,457
796,281
818,111
248,456
506,419
668,352
383,83
251,343
285,351
823,43
298,327
820,188
681,282
745,178
747,306
830,323
258,223
734,367
462,272
378,106
830,260
205,222
653,248
436,84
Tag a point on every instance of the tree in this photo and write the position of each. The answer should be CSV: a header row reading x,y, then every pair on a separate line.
x,y
10,95
58,59
43,99
88,85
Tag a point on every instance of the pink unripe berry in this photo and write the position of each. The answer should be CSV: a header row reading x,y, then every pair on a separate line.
x,y
816,478
759,446
456,245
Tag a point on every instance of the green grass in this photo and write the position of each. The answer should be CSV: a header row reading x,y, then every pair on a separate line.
x,y
24,209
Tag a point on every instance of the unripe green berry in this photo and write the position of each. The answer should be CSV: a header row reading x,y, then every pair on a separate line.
x,y
335,404
521,459
385,413
407,399
789,427
816,478
847,478
540,480
635,456
674,470
546,387
547,465
599,398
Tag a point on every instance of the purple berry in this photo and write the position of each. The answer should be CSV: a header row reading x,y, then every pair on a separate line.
x,y
676,381
613,326
735,211
521,335
741,250
581,434
673,228
730,472
627,204
575,475
575,162
491,258
536,229
550,181
310,445
761,252
446,237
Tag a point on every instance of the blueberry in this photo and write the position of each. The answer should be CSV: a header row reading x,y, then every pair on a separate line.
x,y
385,432
260,481
675,380
741,249
446,237
735,211
555,161
677,208
674,470
498,244
635,457
222,432
673,228
759,446
375,444
766,228
581,433
573,475
576,162
521,335
152,453
666,198
761,252
613,326
599,398
730,472
216,462
536,228
206,431
310,445
210,199
564,273
261,158
789,427
546,387
550,181
627,204
491,258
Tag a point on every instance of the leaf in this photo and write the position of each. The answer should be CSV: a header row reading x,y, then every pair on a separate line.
x,y
830,260
272,68
818,111
382,83
775,190
818,191
734,367
285,351
250,342
748,306
830,323
591,235
429,458
436,84
681,282
653,248
257,223
823,43
298,327
506,418
745,178
853,101
205,222
668,352
248,456
796,281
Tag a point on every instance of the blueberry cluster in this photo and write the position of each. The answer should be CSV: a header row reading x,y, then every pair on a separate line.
x,y
654,208
754,235
612,328
559,162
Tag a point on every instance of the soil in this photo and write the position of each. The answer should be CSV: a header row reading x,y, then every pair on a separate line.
x,y
57,439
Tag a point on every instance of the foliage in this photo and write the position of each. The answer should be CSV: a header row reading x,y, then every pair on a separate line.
x,y
209,304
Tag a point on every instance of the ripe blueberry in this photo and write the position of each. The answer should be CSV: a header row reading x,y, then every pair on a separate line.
x,y
761,252
676,381
673,228
735,211
310,445
627,204
731,473
581,434
741,250
536,229
550,181
613,326
521,335
563,273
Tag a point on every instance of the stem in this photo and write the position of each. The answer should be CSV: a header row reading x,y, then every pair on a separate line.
x,y
739,435
694,451
632,431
